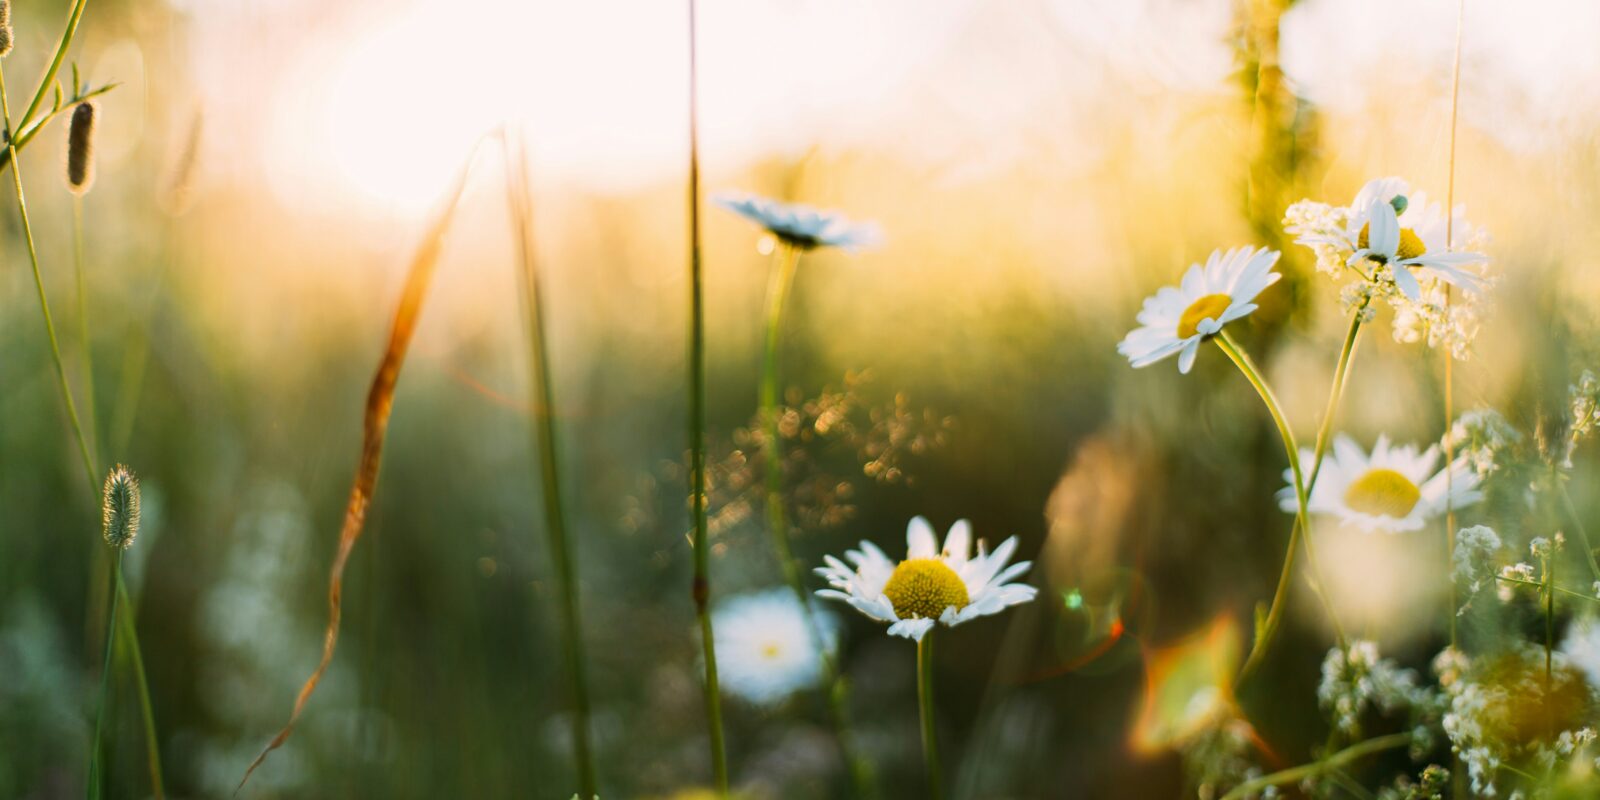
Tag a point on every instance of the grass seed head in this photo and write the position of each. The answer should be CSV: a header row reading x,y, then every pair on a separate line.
x,y
121,507
80,148
5,28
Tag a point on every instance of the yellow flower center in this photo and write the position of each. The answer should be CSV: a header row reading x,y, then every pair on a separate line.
x,y
1209,307
771,650
924,587
1382,492
1411,244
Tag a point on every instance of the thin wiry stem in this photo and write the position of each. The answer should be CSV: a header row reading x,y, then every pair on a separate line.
x,y
1449,358
1296,774
519,198
700,590
785,262
95,777
1577,521
1300,533
83,322
930,739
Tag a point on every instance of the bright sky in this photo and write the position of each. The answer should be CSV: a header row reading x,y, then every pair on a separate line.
x,y
377,102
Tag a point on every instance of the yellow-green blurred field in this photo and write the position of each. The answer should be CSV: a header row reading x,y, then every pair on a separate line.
x,y
266,170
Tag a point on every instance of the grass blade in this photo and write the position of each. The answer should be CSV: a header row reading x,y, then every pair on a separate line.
x,y
375,424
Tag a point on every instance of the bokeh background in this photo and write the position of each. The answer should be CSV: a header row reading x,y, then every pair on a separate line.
x,y
267,167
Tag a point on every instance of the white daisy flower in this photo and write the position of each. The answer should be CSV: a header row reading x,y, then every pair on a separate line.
x,y
764,650
949,586
1175,320
1384,239
1582,647
1394,489
802,226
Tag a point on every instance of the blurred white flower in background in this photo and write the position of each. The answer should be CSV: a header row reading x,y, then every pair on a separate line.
x,y
801,226
1394,489
764,651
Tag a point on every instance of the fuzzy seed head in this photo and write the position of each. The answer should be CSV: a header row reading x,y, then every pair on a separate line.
x,y
120,507
80,148
5,28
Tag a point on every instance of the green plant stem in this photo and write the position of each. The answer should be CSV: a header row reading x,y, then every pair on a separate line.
x,y
1577,521
786,260
700,590
128,631
546,445
125,628
1537,584
1335,761
48,81
930,739
44,303
83,323
95,776
1299,534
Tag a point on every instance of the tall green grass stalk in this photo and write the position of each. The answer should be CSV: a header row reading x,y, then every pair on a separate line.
x,y
127,628
96,778
519,200
700,590
786,260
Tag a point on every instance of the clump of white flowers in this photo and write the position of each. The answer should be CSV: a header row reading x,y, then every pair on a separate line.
x,y
1485,439
1473,562
1355,679
1583,403
1404,250
1512,709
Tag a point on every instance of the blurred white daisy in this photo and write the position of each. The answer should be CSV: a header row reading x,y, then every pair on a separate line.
x,y
801,226
1394,489
950,586
764,651
1175,320
1582,647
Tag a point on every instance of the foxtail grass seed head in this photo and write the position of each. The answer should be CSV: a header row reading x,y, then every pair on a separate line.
x,y
80,148
5,28
121,507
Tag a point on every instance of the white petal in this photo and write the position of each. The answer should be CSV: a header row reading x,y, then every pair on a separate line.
x,y
920,539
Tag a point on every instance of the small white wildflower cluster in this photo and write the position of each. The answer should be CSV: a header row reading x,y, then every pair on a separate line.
x,y
1485,439
1473,563
1512,710
1432,784
1356,679
1397,245
1583,400
1220,757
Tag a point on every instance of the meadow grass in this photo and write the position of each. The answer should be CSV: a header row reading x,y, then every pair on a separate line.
x,y
375,426
519,202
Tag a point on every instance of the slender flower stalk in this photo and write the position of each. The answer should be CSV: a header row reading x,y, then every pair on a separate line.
x,y
119,526
1300,534
1338,760
95,769
1449,360
930,742
786,259
519,197
700,590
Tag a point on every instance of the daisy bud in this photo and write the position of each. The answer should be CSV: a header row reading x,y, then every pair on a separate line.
x,y
5,28
120,507
1399,202
80,148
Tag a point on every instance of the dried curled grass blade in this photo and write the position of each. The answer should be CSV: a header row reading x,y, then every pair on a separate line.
x,y
380,399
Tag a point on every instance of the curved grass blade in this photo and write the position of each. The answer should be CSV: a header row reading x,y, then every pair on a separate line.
x,y
375,424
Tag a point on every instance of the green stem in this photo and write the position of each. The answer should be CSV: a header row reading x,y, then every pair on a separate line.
x,y
1563,590
48,82
519,198
90,472
1299,534
95,767
1335,761
129,631
930,741
700,590
786,260
44,303
83,322
1577,521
